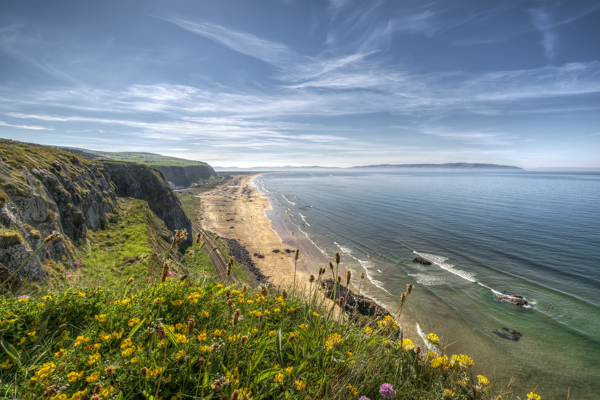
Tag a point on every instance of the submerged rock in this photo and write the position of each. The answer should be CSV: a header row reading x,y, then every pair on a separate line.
x,y
421,260
508,334
515,299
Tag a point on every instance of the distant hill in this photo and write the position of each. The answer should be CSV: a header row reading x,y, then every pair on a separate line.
x,y
444,166
144,158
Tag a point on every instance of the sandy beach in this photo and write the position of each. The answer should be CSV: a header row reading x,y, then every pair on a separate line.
x,y
238,210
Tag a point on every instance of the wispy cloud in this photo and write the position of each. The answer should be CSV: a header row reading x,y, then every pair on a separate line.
x,y
542,20
32,127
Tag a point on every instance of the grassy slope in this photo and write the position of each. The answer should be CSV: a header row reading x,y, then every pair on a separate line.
x,y
145,158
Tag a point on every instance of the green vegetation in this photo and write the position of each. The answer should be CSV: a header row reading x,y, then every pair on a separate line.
x,y
27,155
142,158
3,198
9,237
195,338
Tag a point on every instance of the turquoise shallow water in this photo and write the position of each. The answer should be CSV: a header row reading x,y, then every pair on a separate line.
x,y
532,234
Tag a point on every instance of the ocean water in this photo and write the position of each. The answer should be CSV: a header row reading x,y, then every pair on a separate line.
x,y
531,234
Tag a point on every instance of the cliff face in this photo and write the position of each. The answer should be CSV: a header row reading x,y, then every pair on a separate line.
x,y
149,184
185,176
44,190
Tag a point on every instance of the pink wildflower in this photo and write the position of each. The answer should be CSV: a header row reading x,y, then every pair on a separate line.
x,y
387,391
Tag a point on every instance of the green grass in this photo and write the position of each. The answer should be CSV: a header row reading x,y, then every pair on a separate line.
x,y
144,158
110,340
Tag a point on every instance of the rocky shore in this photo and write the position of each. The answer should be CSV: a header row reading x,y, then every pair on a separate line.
x,y
241,255
355,304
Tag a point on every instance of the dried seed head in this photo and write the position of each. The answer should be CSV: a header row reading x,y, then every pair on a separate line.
x,y
337,258
217,237
214,348
95,397
311,278
160,331
216,386
144,371
339,279
297,254
321,271
53,236
348,277
191,325
331,266
228,293
245,289
198,238
201,361
62,326
264,291
165,272
183,278
409,288
362,276
244,339
129,281
98,388
236,316
292,337
235,394
228,269
231,260
110,371
402,298
187,361
51,391
284,295
341,301
418,349
202,245
229,303
260,317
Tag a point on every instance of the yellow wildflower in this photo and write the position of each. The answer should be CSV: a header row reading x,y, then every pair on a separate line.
x,y
94,358
81,294
73,376
483,381
79,395
60,396
46,298
44,372
448,394
179,354
133,321
254,331
81,340
408,344
177,303
93,377
101,318
128,352
105,392
278,378
105,336
289,370
353,390
272,333
126,343
205,349
181,339
368,330
432,338
300,385
202,337
533,396
332,340
60,353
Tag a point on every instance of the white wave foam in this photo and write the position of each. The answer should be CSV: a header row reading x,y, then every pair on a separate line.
x,y
441,262
286,199
429,345
304,219
428,280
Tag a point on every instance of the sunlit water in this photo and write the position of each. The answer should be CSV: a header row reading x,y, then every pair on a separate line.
x,y
531,234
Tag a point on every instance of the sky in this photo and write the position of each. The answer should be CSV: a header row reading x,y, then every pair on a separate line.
x,y
298,82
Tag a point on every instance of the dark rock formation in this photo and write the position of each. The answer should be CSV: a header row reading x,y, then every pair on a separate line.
x,y
354,303
512,298
146,183
508,334
241,255
185,176
421,260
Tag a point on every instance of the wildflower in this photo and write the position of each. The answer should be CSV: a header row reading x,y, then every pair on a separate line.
x,y
462,361
300,385
278,378
533,396
214,348
202,337
368,330
177,303
315,314
353,390
179,354
332,340
483,381
23,299
81,294
181,339
303,326
272,333
205,349
216,385
432,338
254,331
387,391
448,394
133,321
408,344
128,352
80,395
160,331
363,398
289,370
126,343
94,358
60,353
81,340
104,393
93,377
61,396
101,318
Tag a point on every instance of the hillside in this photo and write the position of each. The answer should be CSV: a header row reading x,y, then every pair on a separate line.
x,y
46,191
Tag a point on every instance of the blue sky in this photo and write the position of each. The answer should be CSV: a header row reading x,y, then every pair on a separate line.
x,y
298,82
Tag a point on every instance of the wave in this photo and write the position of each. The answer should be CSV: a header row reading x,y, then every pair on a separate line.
x,y
286,199
441,262
429,345
428,280
304,219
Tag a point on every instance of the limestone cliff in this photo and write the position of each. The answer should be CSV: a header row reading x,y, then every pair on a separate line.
x,y
186,175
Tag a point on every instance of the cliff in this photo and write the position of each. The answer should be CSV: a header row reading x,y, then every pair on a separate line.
x,y
149,184
44,190
186,175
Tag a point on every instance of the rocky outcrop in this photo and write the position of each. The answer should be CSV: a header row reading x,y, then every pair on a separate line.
x,y
241,255
512,298
355,304
422,261
185,176
44,190
149,184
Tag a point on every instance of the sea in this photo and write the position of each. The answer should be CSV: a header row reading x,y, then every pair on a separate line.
x,y
487,234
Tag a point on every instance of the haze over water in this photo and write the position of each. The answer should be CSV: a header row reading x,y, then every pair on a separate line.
x,y
531,234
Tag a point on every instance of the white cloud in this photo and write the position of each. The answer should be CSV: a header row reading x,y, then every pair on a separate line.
x,y
542,21
32,127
